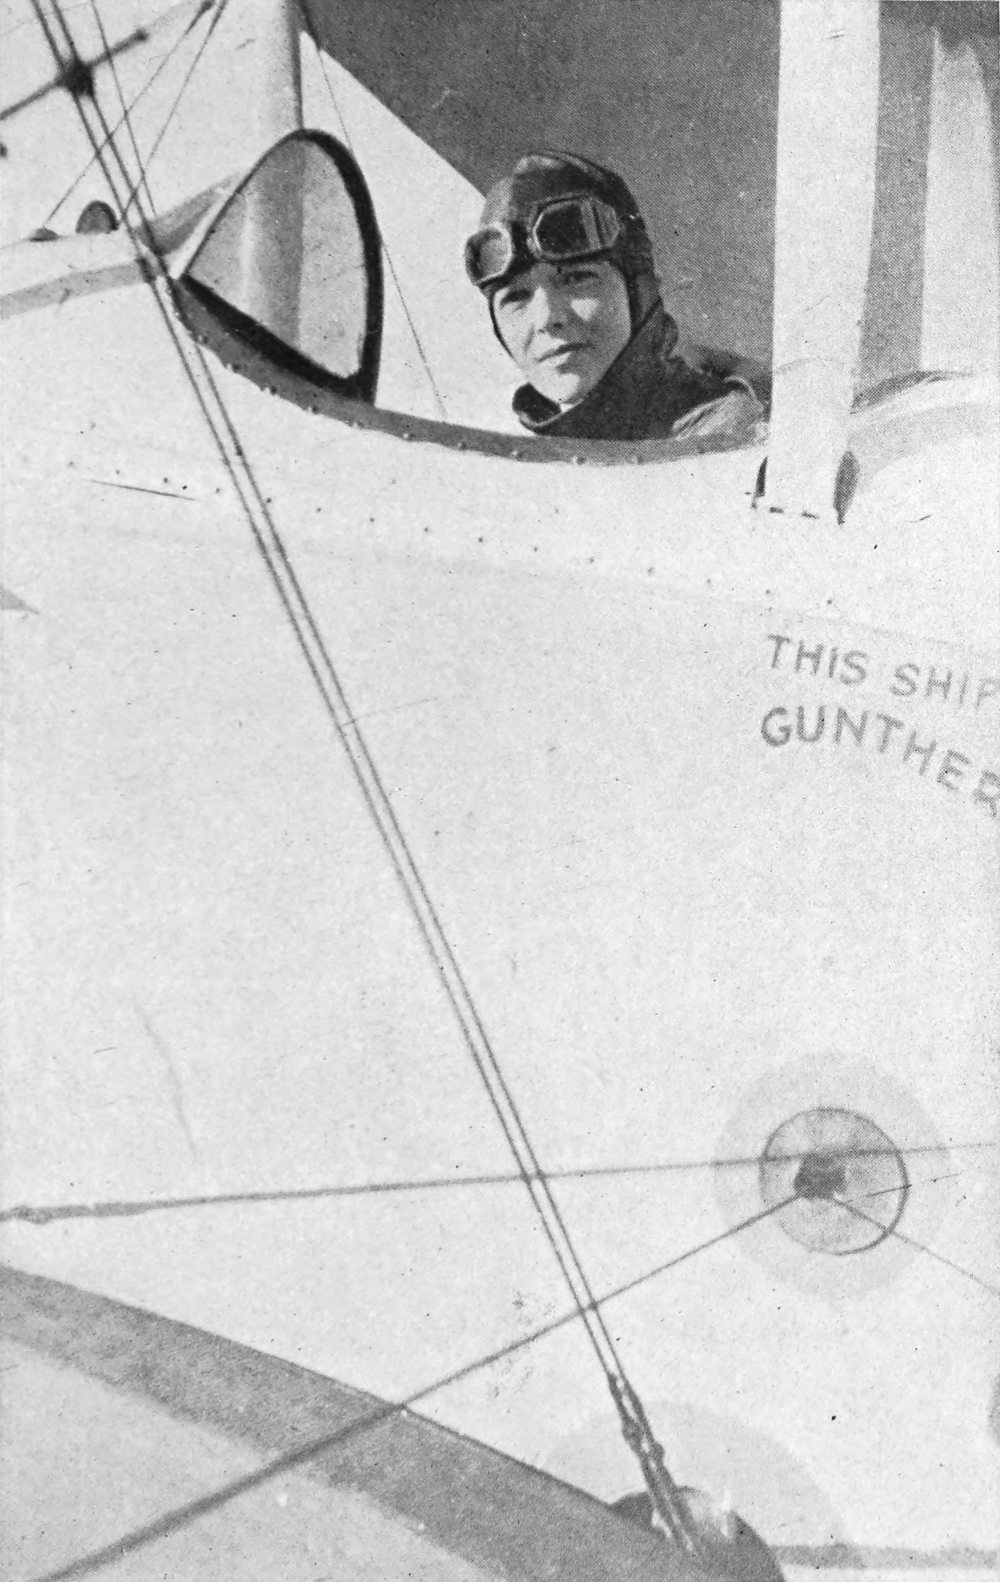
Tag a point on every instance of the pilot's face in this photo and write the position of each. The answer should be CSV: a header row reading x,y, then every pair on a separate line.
x,y
564,325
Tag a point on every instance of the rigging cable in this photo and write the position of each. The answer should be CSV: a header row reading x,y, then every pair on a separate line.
x,y
77,5
51,1213
305,7
220,7
303,623
139,35
920,1246
205,6
29,21
636,1427
125,117
76,76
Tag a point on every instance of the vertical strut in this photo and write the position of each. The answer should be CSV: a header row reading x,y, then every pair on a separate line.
x,y
824,203
279,69
271,261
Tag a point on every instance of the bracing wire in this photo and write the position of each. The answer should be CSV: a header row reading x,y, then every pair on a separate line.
x,y
78,5
299,614
429,920
306,9
920,1246
635,1424
172,1521
51,1213
220,7
139,35
205,6
77,76
29,21
126,118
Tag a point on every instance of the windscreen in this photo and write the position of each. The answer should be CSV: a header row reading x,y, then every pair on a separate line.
x,y
287,253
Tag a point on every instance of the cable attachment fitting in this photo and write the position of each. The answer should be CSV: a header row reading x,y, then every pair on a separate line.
x,y
664,1492
708,1531
78,77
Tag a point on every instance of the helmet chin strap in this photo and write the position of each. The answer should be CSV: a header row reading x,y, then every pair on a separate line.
x,y
493,320
643,295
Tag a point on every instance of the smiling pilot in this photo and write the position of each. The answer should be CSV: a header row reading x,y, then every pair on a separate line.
x,y
564,260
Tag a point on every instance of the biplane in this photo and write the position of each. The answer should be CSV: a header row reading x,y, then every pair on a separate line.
x,y
501,932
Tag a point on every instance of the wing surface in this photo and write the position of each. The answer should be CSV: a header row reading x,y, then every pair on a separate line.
x,y
115,1417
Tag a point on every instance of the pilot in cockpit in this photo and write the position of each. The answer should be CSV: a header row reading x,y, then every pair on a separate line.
x,y
565,262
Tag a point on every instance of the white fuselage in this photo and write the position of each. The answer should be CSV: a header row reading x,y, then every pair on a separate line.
x,y
608,706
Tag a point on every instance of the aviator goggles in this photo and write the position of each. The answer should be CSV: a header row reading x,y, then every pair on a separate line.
x,y
561,230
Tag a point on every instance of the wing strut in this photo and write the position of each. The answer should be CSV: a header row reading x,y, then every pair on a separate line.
x,y
272,237
279,70
828,89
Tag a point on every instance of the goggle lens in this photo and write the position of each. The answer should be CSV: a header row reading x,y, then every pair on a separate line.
x,y
489,254
562,232
568,228
573,228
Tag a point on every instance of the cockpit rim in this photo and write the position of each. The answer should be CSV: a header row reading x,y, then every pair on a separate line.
x,y
251,351
290,378
248,349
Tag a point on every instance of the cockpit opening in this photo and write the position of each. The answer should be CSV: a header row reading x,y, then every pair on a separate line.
x,y
284,278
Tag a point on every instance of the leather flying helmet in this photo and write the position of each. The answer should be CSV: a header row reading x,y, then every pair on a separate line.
x,y
559,207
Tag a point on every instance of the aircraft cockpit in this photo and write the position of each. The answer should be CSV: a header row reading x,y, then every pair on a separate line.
x,y
290,275
282,277
825,265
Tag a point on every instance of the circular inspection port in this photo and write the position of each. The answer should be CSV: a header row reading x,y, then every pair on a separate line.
x,y
836,1182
